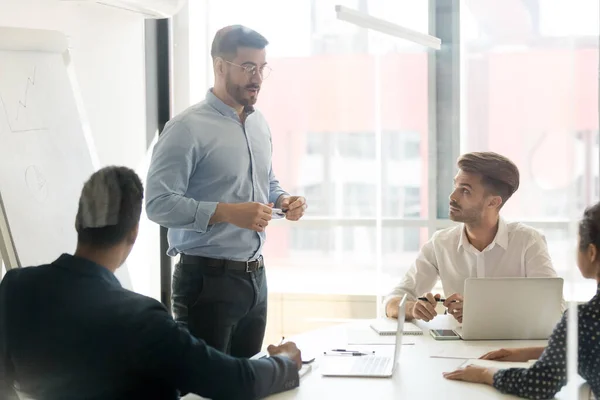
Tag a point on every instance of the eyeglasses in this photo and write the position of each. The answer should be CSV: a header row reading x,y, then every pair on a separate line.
x,y
251,70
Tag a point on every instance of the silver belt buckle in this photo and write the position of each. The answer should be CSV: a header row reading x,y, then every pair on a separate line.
x,y
248,270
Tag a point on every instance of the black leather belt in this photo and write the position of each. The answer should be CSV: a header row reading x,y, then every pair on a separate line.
x,y
246,266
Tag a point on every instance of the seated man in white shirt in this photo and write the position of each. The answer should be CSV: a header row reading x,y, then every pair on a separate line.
x,y
483,246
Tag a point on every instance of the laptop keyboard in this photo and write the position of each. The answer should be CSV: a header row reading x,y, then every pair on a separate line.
x,y
370,365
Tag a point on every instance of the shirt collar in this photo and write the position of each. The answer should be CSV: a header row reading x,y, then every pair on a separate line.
x,y
83,266
501,238
223,108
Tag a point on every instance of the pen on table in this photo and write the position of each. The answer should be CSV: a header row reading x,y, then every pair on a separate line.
x,y
344,351
347,353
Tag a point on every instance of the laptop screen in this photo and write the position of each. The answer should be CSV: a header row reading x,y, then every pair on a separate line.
x,y
400,331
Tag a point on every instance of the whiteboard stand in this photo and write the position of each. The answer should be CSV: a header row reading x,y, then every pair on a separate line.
x,y
7,248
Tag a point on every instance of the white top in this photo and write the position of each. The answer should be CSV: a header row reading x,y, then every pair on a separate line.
x,y
517,251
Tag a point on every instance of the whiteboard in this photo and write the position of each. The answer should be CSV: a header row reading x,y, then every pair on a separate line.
x,y
45,148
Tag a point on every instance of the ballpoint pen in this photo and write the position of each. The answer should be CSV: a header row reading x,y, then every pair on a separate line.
x,y
348,354
303,361
347,351
426,299
438,300
350,351
266,354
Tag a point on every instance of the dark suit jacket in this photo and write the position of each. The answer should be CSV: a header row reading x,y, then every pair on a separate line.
x,y
68,330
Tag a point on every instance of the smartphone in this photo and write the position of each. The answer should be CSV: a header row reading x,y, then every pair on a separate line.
x,y
444,334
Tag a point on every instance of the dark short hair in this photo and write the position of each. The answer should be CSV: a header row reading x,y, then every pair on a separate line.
x,y
499,175
229,39
132,194
589,228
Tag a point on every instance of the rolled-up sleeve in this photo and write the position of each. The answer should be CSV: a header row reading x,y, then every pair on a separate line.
x,y
174,160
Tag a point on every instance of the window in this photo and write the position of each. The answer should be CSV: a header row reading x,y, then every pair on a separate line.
x,y
403,241
316,193
351,118
544,119
400,249
412,202
359,199
562,247
314,143
310,240
582,18
344,260
402,145
330,37
402,201
356,145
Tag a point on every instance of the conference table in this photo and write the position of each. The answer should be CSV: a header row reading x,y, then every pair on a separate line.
x,y
418,375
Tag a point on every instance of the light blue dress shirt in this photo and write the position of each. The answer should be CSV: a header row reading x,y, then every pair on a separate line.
x,y
205,156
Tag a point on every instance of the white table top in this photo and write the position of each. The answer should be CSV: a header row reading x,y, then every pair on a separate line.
x,y
418,375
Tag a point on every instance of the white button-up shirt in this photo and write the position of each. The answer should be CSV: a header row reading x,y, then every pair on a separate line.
x,y
517,251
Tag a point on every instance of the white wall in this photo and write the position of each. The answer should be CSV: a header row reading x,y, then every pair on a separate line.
x,y
107,50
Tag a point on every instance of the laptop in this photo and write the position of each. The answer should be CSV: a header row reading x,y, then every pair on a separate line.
x,y
511,308
367,366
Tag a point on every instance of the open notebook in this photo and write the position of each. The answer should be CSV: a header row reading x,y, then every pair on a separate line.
x,y
388,326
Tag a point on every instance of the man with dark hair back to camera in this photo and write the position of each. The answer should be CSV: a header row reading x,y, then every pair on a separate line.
x,y
211,183
483,246
68,330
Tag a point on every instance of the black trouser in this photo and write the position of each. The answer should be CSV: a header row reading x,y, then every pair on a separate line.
x,y
224,307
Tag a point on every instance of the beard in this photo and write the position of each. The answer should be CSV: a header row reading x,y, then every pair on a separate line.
x,y
240,93
467,216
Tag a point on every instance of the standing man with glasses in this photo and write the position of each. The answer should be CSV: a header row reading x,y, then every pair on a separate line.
x,y
211,183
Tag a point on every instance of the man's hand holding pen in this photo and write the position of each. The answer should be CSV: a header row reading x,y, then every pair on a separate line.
x,y
455,304
425,307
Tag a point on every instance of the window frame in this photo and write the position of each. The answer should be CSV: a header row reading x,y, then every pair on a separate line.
x,y
444,102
